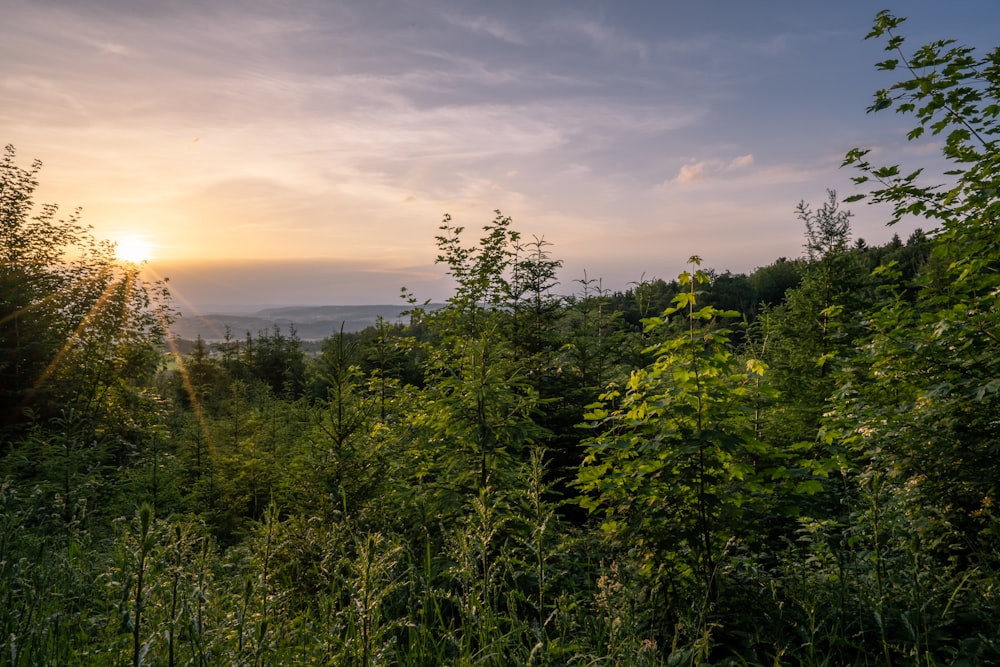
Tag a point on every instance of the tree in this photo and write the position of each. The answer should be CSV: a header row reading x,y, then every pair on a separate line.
x,y
533,275
924,396
479,404
349,456
482,272
31,278
79,329
773,281
729,291
915,408
278,360
815,325
674,461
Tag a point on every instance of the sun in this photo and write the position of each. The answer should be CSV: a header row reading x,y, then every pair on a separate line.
x,y
134,249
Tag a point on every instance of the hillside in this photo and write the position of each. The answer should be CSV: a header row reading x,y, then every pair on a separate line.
x,y
310,322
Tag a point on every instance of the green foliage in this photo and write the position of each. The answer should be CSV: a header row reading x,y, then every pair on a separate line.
x,y
78,328
773,281
482,273
917,407
813,330
278,361
675,459
477,416
816,486
533,275
923,398
952,91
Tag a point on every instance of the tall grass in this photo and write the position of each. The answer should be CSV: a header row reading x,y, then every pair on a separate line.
x,y
506,582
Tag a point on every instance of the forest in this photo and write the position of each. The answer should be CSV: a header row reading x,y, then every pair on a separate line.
x,y
798,466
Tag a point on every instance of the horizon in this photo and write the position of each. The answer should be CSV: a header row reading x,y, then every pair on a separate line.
x,y
236,287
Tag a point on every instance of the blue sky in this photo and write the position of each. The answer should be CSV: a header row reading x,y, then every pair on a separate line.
x,y
305,152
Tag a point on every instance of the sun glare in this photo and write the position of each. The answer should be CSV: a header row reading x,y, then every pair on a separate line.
x,y
133,249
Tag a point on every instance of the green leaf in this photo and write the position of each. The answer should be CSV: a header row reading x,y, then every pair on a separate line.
x,y
991,387
809,487
756,367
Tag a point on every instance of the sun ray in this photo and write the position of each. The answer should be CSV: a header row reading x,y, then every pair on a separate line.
x,y
182,371
73,340
123,285
184,301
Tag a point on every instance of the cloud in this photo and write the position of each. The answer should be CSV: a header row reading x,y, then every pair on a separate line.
x,y
488,26
740,162
691,173
604,38
700,171
113,48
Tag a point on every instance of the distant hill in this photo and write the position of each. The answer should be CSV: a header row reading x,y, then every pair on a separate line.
x,y
310,322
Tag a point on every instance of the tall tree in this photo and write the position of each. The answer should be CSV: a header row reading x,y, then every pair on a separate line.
x,y
479,407
812,330
922,401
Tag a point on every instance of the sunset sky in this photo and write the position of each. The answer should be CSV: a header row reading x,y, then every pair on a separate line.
x,y
304,152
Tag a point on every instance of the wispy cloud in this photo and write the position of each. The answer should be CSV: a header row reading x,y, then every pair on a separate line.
x,y
697,172
740,162
606,39
487,26
113,48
